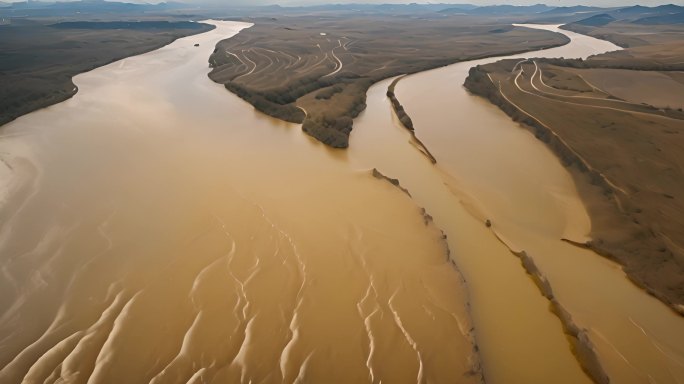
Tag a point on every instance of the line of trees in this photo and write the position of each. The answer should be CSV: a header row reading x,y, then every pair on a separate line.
x,y
398,108
287,112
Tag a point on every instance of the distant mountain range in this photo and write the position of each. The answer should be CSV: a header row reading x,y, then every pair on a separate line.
x,y
582,15
664,14
597,20
89,5
575,9
413,7
83,10
673,18
498,9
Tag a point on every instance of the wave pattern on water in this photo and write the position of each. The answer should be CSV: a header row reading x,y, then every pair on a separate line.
x,y
163,232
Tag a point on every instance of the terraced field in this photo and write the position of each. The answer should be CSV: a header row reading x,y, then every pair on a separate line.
x,y
316,71
318,61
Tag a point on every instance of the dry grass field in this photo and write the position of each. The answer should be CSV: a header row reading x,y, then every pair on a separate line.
x,y
316,70
38,60
661,89
622,132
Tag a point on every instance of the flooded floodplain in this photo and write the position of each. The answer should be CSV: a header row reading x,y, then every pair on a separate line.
x,y
503,174
161,230
156,228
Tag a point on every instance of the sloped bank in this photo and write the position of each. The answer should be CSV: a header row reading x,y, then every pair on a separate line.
x,y
608,207
475,371
273,66
406,121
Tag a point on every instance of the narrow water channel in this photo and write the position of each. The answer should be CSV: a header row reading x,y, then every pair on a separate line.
x,y
156,228
498,171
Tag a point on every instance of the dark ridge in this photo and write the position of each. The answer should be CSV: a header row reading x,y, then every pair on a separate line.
x,y
500,10
570,10
597,20
636,9
677,18
638,12
129,25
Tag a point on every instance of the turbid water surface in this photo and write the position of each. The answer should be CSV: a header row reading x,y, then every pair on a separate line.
x,y
501,173
158,229
155,228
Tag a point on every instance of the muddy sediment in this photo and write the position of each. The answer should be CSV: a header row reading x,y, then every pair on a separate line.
x,y
503,174
405,120
581,345
378,175
250,245
475,370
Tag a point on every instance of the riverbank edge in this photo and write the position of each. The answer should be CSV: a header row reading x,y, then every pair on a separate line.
x,y
341,141
405,119
476,370
587,179
66,94
580,343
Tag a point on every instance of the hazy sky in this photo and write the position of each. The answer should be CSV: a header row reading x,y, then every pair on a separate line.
x,y
605,3
611,3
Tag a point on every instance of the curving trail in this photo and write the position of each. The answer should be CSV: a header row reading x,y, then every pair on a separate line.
x,y
555,98
338,62
251,70
586,163
264,67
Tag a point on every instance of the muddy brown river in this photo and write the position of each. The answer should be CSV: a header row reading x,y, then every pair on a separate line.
x,y
155,228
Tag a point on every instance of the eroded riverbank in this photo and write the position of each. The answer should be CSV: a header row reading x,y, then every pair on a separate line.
x,y
503,174
172,234
514,328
